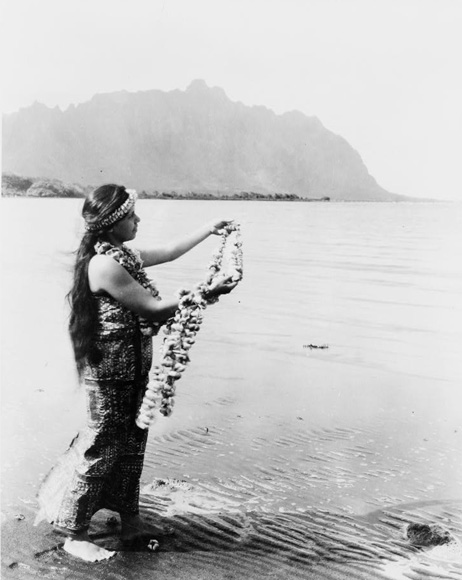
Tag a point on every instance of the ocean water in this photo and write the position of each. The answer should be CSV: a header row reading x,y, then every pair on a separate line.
x,y
273,441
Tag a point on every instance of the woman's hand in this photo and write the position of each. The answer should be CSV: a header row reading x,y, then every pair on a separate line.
x,y
215,227
222,285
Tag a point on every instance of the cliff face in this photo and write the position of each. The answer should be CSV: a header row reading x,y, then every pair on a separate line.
x,y
185,140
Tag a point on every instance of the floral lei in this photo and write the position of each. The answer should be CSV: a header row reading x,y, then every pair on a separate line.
x,y
181,329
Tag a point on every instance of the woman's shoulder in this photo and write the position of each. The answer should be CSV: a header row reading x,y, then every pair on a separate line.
x,y
102,266
105,274
102,262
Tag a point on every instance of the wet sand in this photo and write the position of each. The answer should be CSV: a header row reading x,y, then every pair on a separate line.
x,y
227,499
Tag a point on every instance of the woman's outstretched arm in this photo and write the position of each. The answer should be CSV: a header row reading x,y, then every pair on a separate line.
x,y
106,275
176,249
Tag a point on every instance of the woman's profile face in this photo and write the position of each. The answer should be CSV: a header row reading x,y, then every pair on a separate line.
x,y
125,229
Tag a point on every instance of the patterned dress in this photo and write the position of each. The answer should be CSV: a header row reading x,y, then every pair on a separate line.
x,y
102,467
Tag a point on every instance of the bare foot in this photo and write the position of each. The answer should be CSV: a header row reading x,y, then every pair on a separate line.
x,y
82,547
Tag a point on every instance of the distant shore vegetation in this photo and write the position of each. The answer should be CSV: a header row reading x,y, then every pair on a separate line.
x,y
18,186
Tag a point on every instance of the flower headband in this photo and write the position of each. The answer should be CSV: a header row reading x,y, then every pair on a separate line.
x,y
116,215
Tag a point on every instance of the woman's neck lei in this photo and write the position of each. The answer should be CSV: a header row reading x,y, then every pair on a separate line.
x,y
180,330
131,261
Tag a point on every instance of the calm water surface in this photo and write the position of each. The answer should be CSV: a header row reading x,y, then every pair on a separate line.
x,y
378,284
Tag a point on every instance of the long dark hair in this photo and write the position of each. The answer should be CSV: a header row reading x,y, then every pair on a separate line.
x,y
83,319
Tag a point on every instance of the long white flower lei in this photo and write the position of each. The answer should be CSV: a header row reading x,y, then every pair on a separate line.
x,y
181,329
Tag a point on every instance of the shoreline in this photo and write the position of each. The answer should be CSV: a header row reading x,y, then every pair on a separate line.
x,y
186,198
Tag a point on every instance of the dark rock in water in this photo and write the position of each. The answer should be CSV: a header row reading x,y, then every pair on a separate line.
x,y
428,535
166,486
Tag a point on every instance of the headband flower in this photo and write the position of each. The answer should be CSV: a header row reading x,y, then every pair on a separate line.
x,y
116,215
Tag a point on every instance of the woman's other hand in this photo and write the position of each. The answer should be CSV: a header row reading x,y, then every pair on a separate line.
x,y
216,226
222,286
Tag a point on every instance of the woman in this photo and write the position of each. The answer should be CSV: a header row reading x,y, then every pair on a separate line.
x,y
115,310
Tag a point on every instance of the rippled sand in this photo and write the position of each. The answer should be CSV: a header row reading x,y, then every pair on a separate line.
x,y
310,503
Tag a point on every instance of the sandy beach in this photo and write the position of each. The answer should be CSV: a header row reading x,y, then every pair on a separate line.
x,y
316,502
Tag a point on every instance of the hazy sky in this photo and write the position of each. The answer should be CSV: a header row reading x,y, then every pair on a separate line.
x,y
384,74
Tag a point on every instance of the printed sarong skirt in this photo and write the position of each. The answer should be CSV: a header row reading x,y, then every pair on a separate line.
x,y
102,467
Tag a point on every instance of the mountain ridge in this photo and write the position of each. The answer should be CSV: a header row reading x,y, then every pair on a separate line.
x,y
192,140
